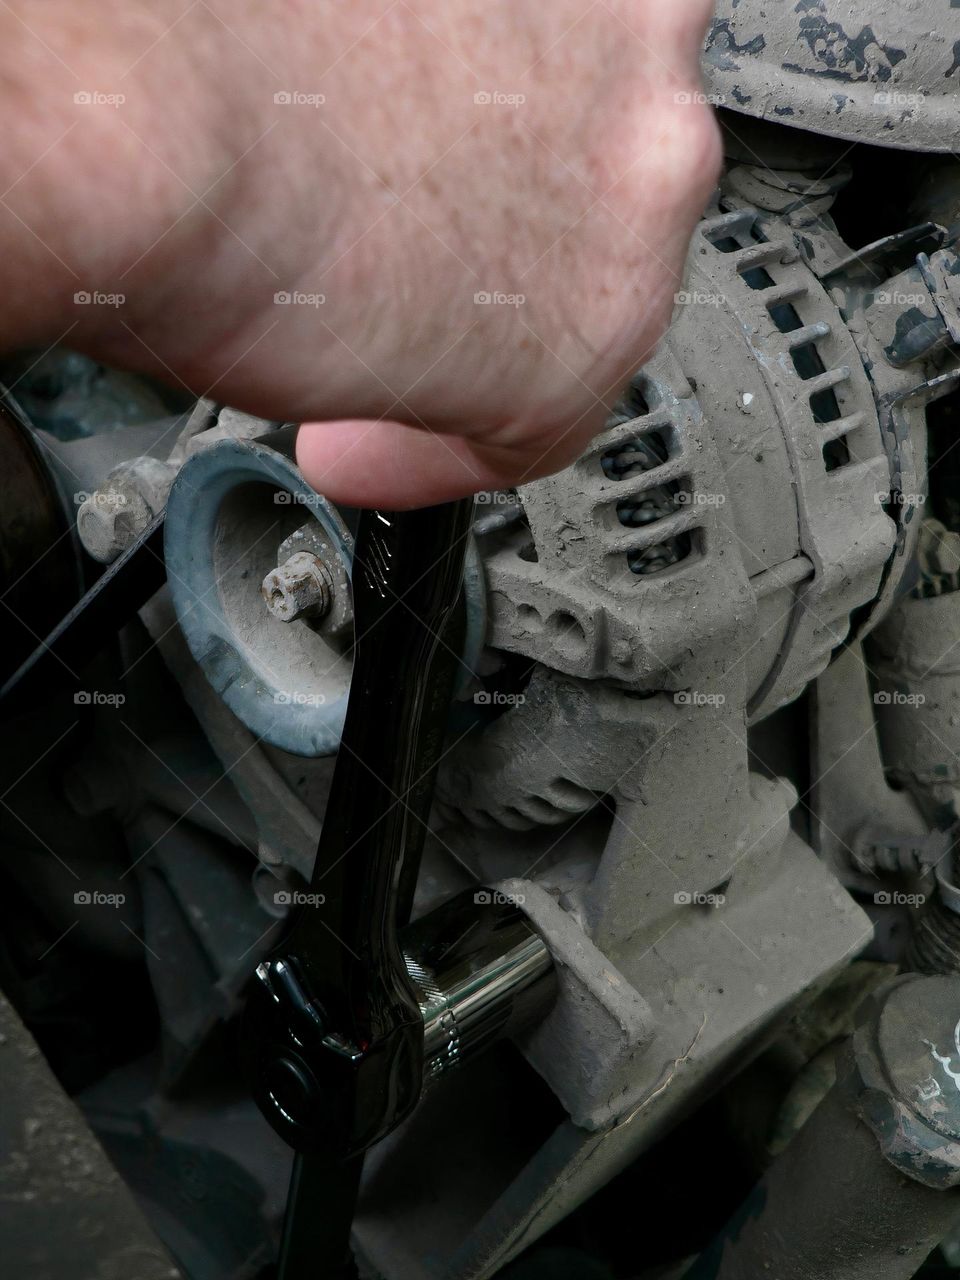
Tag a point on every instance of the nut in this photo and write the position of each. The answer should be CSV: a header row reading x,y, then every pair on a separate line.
x,y
301,587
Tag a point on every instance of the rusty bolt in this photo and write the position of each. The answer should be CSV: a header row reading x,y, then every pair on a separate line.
x,y
301,587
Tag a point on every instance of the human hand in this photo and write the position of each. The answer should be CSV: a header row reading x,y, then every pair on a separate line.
x,y
477,211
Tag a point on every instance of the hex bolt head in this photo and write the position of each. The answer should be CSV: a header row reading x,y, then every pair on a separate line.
x,y
110,520
301,587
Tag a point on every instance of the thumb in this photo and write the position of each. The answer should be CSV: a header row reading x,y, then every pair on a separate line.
x,y
396,466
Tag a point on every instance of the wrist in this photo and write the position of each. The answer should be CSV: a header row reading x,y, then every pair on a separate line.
x,y
120,163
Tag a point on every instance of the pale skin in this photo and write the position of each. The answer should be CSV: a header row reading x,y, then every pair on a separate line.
x,y
386,166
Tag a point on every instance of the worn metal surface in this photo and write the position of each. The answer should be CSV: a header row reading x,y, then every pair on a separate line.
x,y
867,1187
535,1170
632,755
135,491
65,1212
40,577
335,619
230,508
881,73
700,555
88,625
907,1059
917,662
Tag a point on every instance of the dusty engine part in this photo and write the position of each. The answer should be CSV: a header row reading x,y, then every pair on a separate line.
x,y
935,944
272,631
868,1186
299,587
752,467
245,499
873,73
71,398
111,519
66,1210
305,563
501,781
39,573
914,656
691,574
704,742
133,494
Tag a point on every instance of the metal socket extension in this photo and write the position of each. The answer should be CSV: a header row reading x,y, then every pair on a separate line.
x,y
481,972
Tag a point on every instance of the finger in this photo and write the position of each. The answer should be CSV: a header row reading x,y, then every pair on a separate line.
x,y
396,466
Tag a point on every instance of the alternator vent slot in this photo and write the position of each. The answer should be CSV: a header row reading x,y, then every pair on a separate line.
x,y
639,460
